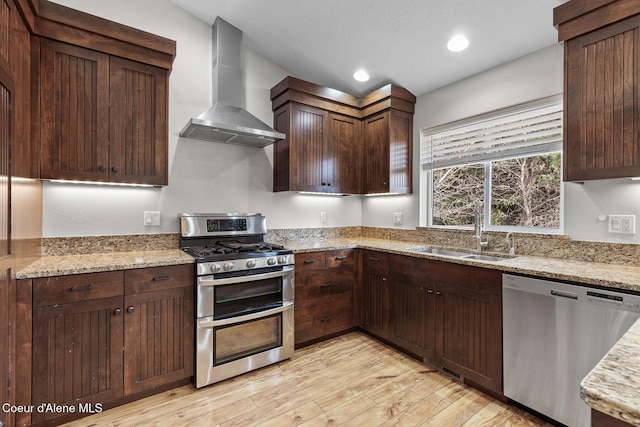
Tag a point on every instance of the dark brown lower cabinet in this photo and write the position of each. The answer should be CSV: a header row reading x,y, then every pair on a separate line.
x,y
412,323
324,294
7,348
100,337
470,341
158,334
375,303
448,314
77,349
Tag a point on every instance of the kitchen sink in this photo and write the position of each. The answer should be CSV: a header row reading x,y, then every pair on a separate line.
x,y
457,254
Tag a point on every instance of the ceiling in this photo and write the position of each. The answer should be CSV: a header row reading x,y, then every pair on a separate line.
x,y
396,41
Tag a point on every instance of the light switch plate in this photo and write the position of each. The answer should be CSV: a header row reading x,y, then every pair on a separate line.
x,y
397,218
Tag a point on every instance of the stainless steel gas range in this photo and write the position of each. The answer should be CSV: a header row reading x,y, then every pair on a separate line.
x,y
244,294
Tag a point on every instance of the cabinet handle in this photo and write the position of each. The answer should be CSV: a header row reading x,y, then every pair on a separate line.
x,y
102,168
325,319
117,312
374,259
130,309
115,169
324,183
384,184
341,257
429,291
309,261
328,184
384,279
325,285
161,278
438,293
81,288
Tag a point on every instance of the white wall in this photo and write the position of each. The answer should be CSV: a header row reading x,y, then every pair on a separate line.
x,y
531,77
203,176
206,177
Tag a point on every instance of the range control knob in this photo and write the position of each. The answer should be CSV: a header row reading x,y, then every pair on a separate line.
x,y
215,268
282,259
271,261
228,266
251,263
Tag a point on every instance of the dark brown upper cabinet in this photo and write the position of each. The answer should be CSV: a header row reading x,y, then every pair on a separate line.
x,y
602,86
337,143
103,118
101,100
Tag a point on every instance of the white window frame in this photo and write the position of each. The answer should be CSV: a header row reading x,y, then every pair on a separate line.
x,y
426,176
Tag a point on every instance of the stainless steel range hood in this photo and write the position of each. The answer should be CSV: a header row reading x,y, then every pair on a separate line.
x,y
226,121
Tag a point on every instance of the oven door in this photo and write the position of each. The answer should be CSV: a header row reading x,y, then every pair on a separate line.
x,y
234,294
235,345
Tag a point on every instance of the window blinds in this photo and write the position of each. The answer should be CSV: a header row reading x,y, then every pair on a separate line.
x,y
525,130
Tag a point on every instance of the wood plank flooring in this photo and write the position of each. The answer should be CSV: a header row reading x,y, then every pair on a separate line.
x,y
352,380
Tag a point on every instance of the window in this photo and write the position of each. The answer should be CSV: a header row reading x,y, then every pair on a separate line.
x,y
510,160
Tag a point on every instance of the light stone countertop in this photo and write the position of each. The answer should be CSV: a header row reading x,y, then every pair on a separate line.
x,y
92,263
613,387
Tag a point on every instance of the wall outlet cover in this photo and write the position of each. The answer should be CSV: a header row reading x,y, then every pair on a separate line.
x,y
152,218
622,224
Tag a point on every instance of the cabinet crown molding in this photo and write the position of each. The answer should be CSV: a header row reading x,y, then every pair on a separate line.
x,y
577,17
297,90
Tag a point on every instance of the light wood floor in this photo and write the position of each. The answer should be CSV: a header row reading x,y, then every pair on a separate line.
x,y
351,380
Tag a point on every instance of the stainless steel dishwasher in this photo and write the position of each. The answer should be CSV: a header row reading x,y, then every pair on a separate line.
x,y
553,335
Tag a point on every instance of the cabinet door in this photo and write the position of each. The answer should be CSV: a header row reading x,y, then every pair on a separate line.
x,y
138,123
470,344
159,333
77,353
376,153
309,127
343,156
7,347
412,316
375,303
74,114
602,138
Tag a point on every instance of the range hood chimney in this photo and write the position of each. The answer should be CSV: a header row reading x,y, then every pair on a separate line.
x,y
226,121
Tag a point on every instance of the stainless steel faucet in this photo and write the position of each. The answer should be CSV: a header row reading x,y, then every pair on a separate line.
x,y
511,242
477,230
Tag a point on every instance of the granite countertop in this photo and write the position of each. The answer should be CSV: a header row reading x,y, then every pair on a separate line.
x,y
613,387
591,273
91,263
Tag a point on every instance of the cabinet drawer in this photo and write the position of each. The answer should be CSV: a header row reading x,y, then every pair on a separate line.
x,y
310,261
77,287
317,320
158,278
377,260
325,284
339,257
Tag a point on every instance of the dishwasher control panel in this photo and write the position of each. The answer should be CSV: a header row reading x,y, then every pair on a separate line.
x,y
576,292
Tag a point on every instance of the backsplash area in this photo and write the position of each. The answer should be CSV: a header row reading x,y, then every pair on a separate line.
x,y
543,245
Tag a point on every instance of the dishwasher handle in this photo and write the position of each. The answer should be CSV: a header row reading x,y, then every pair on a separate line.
x,y
564,294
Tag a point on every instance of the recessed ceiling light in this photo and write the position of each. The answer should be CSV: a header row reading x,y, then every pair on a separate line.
x,y
361,76
457,43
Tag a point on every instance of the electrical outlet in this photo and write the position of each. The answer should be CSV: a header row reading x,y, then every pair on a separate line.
x,y
152,218
323,217
397,218
622,224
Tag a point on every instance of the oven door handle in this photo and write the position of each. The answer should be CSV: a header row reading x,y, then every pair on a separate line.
x,y
207,281
287,305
